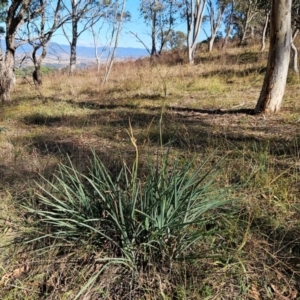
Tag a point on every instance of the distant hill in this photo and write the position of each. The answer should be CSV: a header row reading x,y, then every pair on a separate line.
x,y
58,55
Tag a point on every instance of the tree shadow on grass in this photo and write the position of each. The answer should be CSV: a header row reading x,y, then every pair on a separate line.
x,y
184,128
46,151
99,106
233,72
179,123
247,57
245,111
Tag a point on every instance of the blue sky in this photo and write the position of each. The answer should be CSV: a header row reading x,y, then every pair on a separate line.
x,y
136,25
126,39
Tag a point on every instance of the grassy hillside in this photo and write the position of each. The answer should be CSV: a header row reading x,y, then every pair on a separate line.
x,y
152,117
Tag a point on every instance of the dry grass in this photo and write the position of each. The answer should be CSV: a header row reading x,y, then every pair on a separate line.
x,y
255,254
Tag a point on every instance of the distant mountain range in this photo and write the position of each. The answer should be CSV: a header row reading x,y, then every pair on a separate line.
x,y
58,55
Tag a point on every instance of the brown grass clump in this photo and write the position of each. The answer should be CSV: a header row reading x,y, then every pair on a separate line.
x,y
205,108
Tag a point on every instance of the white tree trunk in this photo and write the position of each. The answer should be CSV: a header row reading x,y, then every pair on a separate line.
x,y
294,60
111,59
263,37
279,55
211,43
194,14
214,23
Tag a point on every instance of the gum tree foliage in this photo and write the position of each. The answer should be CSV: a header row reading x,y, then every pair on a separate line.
x,y
160,16
174,39
245,15
279,55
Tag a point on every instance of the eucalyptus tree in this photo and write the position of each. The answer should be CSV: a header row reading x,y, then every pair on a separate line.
x,y
228,21
40,30
160,16
193,13
265,8
295,30
96,31
279,55
294,50
244,18
216,11
176,40
16,13
264,31
116,17
80,22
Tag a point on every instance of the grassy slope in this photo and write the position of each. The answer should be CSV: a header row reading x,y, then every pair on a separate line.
x,y
205,109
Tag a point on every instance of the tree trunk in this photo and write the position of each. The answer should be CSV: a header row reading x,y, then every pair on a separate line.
x,y
194,15
294,60
14,18
229,25
214,23
36,75
37,62
73,43
228,31
263,37
112,57
73,54
153,35
278,62
191,55
252,32
243,37
7,82
7,76
211,43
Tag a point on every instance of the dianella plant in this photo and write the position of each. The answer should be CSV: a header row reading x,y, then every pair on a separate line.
x,y
137,218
